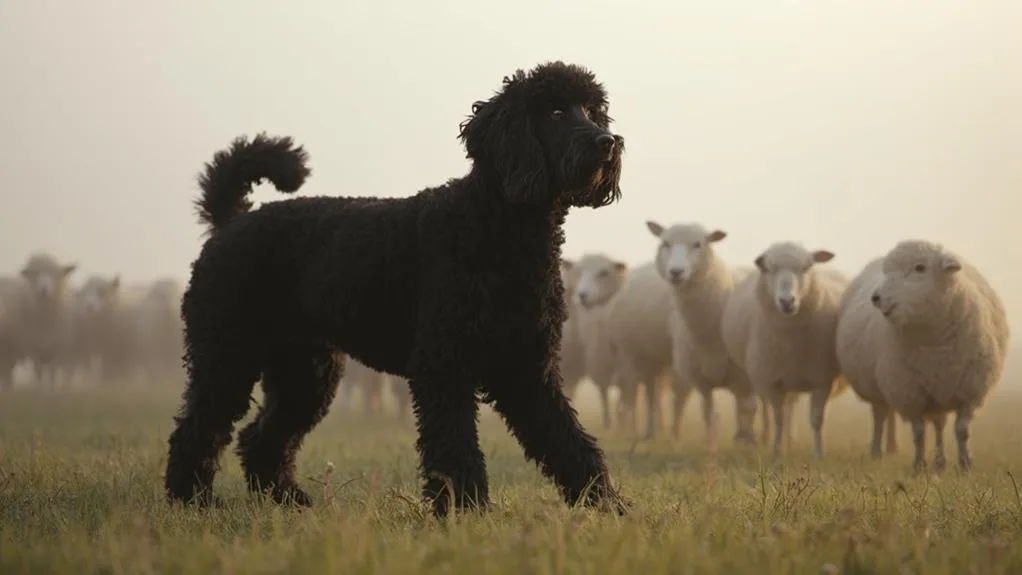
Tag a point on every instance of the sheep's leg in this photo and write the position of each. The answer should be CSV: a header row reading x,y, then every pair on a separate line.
x,y
604,390
710,420
652,407
963,419
892,432
7,374
919,441
539,415
745,414
817,412
299,384
451,463
777,403
881,414
766,405
217,396
939,457
789,417
682,391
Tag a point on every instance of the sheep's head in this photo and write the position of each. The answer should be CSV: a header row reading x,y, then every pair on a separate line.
x,y
919,278
599,278
786,274
98,294
47,278
569,277
685,250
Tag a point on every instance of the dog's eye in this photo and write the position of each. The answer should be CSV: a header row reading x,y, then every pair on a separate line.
x,y
557,113
920,268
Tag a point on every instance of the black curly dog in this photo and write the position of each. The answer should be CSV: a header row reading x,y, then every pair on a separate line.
x,y
456,288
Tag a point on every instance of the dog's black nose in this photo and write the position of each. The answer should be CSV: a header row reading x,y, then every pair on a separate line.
x,y
606,141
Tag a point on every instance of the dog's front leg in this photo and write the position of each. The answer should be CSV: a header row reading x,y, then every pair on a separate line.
x,y
539,415
451,462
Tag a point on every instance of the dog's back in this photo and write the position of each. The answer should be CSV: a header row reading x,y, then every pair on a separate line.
x,y
291,270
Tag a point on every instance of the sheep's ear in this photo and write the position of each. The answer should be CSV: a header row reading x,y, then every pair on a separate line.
x,y
716,236
761,262
655,228
620,266
68,269
567,264
822,256
950,264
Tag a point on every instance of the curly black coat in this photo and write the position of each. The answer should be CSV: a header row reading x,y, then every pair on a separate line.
x,y
456,288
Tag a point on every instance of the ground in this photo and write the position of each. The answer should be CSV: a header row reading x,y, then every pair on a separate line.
x,y
80,492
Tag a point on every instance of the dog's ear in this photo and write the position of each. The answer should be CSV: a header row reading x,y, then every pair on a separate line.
x,y
502,136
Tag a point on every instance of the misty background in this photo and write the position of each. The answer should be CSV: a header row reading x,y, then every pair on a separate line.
x,y
847,126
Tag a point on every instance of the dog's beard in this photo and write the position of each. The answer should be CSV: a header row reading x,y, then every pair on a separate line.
x,y
597,181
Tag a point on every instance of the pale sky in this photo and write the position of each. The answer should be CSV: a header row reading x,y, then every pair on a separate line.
x,y
847,125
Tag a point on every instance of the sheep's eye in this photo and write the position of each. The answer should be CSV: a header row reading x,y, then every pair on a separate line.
x,y
920,268
602,273
697,245
665,246
557,113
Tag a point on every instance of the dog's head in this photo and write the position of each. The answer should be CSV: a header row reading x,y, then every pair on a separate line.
x,y
546,135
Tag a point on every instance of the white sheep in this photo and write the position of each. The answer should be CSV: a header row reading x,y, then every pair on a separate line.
x,y
597,279
701,283
933,334
637,333
779,325
14,304
572,353
160,330
107,330
44,329
852,348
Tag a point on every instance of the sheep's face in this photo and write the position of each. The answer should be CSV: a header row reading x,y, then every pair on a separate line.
x,y
918,280
98,294
786,275
569,277
599,278
685,250
46,278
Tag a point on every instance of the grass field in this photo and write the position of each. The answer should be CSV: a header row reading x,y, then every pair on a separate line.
x,y
80,492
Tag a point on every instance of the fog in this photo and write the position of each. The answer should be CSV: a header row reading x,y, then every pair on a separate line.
x,y
845,125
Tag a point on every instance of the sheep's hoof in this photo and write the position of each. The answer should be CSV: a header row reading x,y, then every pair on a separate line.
x,y
745,438
964,464
918,468
939,464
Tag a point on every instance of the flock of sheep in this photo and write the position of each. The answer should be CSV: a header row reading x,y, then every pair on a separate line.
x,y
98,331
918,333
104,332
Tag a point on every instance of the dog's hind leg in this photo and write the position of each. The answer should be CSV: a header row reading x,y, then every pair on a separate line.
x,y
446,416
299,385
546,425
218,395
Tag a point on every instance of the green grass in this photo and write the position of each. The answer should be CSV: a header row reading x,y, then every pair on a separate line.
x,y
80,492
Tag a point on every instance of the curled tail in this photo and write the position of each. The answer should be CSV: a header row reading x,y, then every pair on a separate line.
x,y
227,181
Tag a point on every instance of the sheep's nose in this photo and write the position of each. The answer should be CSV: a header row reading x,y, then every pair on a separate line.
x,y
583,298
676,274
875,298
606,142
